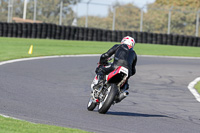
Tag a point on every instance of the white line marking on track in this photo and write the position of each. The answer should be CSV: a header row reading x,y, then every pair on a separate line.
x,y
45,57
6,116
86,55
193,90
190,86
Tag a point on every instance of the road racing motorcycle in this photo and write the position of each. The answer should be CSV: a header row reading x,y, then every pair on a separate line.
x,y
112,90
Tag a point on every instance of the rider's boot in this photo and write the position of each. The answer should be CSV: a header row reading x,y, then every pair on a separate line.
x,y
100,82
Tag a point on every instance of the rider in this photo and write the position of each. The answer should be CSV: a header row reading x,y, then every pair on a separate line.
x,y
124,55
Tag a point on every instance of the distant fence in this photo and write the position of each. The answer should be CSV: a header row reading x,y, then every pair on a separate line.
x,y
53,31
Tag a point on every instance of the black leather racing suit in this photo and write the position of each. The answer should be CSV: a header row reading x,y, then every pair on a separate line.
x,y
124,56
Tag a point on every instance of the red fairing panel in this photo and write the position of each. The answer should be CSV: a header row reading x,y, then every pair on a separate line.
x,y
113,73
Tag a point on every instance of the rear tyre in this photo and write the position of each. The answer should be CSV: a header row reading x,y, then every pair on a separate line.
x,y
91,105
105,104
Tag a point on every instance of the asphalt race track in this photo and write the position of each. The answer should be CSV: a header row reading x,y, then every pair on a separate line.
x,y
56,91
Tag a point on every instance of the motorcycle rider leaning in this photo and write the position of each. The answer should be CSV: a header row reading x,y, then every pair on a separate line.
x,y
124,55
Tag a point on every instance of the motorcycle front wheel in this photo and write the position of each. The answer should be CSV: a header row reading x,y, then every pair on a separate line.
x,y
91,105
108,100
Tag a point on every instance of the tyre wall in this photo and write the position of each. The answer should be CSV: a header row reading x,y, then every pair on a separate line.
x,y
53,31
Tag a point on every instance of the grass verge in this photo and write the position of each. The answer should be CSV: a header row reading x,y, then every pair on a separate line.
x,y
9,125
14,48
197,87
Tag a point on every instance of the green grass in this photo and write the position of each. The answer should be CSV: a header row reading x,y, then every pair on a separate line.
x,y
197,87
167,50
8,125
13,48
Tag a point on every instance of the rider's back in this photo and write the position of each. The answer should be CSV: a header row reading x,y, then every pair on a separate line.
x,y
125,56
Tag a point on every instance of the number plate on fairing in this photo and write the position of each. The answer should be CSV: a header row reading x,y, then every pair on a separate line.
x,y
124,70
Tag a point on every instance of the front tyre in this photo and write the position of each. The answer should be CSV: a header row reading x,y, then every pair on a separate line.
x,y
105,103
91,105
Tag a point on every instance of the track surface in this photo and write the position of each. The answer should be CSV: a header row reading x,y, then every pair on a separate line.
x,y
56,91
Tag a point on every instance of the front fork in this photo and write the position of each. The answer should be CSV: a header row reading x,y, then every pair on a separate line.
x,y
98,92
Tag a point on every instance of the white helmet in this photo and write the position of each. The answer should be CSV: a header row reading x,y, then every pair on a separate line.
x,y
129,41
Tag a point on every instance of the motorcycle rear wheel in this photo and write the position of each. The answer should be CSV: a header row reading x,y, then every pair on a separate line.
x,y
108,100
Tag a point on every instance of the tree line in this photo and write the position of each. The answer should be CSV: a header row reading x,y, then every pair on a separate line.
x,y
128,17
155,17
47,11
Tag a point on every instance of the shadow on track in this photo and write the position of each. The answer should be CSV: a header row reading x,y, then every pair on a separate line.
x,y
134,114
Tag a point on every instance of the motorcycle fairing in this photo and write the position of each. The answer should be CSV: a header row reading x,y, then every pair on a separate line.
x,y
117,74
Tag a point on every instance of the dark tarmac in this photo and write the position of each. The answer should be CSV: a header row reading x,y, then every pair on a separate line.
x,y
56,92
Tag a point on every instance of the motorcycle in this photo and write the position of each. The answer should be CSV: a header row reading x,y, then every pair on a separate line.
x,y
112,90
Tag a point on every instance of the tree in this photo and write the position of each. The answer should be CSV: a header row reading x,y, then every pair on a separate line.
x,y
183,16
3,10
127,17
155,19
183,3
49,11
96,22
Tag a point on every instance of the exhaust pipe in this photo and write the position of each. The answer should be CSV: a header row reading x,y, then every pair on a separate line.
x,y
122,96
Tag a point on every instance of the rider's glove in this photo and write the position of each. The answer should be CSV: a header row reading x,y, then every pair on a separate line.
x,y
99,69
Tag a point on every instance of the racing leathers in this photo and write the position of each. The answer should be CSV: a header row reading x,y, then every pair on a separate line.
x,y
124,55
